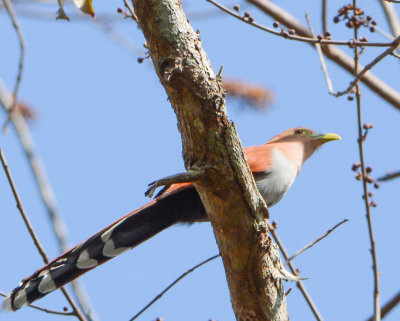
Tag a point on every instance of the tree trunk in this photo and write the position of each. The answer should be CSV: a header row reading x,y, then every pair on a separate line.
x,y
237,212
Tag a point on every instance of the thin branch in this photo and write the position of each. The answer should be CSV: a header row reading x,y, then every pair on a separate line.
x,y
44,309
394,1
324,16
391,16
131,10
76,310
389,176
45,189
306,247
286,35
332,52
384,33
300,284
22,210
377,306
172,284
15,23
356,80
389,306
321,58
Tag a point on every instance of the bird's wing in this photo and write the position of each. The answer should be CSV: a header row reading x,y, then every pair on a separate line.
x,y
259,157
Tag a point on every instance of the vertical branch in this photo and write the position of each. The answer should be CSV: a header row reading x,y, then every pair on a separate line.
x,y
11,13
377,312
324,16
392,18
76,311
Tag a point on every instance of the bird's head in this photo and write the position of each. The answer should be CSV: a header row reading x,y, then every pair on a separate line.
x,y
303,140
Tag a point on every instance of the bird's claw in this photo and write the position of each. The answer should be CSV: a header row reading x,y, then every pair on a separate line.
x,y
189,176
287,276
153,186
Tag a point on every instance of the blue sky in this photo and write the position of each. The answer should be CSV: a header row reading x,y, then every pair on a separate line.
x,y
105,130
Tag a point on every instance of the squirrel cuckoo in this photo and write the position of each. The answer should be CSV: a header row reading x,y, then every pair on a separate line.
x,y
275,165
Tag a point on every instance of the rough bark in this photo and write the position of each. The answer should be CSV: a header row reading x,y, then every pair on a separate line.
x,y
236,210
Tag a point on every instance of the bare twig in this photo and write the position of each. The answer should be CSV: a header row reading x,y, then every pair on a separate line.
x,y
21,209
131,10
333,53
356,80
305,248
172,284
44,309
389,176
45,188
392,303
377,311
392,18
300,284
287,35
321,58
394,1
76,311
15,23
324,16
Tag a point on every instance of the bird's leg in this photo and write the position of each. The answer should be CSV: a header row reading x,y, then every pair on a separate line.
x,y
190,176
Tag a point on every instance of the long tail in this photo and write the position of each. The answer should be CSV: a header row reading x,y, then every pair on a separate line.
x,y
182,206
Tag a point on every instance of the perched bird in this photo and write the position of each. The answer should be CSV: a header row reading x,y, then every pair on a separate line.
x,y
275,166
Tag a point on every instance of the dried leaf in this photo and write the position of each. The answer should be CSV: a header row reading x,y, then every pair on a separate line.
x,y
61,13
85,6
253,95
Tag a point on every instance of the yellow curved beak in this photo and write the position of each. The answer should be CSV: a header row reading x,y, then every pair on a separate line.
x,y
327,137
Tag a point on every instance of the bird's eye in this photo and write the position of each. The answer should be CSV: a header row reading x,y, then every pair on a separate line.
x,y
298,131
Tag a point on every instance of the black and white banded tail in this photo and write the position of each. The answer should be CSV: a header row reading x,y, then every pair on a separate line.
x,y
181,205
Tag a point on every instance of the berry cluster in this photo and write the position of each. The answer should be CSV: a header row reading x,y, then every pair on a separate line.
x,y
359,175
355,18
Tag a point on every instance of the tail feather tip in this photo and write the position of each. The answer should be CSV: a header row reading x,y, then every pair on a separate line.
x,y
6,305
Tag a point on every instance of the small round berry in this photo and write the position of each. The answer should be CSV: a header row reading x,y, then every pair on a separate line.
x,y
355,166
367,126
369,179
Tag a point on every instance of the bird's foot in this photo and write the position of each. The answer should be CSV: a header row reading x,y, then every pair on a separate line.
x,y
287,276
190,176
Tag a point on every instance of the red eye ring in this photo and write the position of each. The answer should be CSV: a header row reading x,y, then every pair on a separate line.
x,y
298,131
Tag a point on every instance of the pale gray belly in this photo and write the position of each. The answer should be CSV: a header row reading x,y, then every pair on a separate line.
x,y
272,186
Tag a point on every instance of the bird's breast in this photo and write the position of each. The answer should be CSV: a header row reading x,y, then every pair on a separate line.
x,y
275,181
